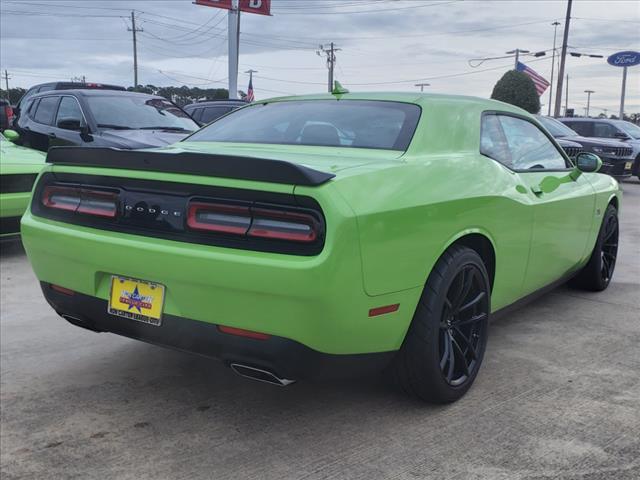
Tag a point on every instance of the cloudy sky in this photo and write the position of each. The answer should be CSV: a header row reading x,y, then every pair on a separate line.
x,y
385,44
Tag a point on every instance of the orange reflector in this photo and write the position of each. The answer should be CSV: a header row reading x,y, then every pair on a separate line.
x,y
60,289
374,312
243,333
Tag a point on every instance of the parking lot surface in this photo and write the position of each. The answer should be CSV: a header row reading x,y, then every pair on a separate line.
x,y
558,396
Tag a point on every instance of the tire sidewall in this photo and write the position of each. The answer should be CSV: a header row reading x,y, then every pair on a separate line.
x,y
434,301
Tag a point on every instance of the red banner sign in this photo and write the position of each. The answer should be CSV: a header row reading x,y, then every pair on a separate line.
x,y
261,7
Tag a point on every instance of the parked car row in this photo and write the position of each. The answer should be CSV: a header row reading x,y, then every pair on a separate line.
x,y
625,132
617,157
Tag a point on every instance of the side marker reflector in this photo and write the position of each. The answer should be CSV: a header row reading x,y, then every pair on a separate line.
x,y
239,332
63,290
374,312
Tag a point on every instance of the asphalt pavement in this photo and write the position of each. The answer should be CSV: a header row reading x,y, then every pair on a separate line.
x,y
558,396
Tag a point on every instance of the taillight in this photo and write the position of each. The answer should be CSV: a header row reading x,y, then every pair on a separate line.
x,y
262,222
221,218
283,225
8,111
81,200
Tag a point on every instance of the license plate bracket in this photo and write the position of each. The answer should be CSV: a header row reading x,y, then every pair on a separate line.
x,y
135,299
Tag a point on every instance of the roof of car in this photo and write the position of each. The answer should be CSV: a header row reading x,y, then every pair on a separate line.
x,y
584,119
95,93
423,99
222,102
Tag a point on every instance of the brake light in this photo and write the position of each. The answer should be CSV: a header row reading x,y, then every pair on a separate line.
x,y
263,222
80,200
221,218
283,225
8,112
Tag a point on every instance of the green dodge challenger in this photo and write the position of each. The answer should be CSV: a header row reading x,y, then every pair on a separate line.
x,y
19,168
310,235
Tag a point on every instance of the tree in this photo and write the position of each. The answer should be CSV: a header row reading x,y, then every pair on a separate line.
x,y
517,89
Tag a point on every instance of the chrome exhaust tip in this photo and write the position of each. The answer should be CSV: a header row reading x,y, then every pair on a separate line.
x,y
259,375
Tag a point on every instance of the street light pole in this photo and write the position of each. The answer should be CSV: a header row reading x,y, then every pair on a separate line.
x,y
422,85
553,63
565,39
588,92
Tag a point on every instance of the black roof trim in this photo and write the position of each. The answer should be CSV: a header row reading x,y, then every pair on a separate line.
x,y
203,164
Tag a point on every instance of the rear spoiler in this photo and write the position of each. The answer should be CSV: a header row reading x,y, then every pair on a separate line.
x,y
203,164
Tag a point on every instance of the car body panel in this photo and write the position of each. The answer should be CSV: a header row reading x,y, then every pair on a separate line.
x,y
16,160
389,216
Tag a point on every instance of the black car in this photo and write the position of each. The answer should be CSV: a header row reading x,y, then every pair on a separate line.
x,y
617,157
49,86
621,130
102,118
207,112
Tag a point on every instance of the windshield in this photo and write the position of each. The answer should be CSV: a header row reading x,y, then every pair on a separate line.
x,y
136,112
629,128
346,123
556,128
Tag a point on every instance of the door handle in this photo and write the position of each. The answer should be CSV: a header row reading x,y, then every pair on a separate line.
x,y
536,190
52,135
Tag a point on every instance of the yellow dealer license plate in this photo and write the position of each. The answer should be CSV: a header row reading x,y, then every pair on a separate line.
x,y
136,299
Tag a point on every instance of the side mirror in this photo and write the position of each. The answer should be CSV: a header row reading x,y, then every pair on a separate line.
x,y
621,135
69,124
11,135
588,162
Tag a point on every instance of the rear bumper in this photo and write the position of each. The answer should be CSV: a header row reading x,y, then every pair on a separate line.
x,y
316,301
284,357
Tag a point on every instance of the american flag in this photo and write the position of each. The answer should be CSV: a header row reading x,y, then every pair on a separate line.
x,y
538,80
250,97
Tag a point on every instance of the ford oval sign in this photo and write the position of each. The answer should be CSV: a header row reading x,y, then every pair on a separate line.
x,y
624,59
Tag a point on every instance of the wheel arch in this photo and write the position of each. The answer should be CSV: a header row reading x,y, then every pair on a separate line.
x,y
482,243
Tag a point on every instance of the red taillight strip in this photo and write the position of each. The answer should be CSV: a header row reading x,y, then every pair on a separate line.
x,y
239,332
253,222
283,225
80,200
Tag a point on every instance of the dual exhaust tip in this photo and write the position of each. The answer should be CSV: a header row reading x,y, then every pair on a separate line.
x,y
260,375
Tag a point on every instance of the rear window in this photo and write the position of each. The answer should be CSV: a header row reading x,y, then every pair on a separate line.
x,y
334,123
211,113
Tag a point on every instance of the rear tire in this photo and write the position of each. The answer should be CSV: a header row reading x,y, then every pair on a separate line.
x,y
596,274
444,346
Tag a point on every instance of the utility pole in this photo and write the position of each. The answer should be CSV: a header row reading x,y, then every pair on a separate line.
x,y
422,85
553,63
6,82
565,38
588,92
517,51
135,30
331,61
234,47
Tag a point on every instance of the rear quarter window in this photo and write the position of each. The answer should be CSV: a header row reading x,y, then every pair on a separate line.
x,y
46,110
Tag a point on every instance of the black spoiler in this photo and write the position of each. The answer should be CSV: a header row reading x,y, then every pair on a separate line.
x,y
204,164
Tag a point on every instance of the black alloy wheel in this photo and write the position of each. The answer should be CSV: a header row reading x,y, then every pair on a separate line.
x,y
463,326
